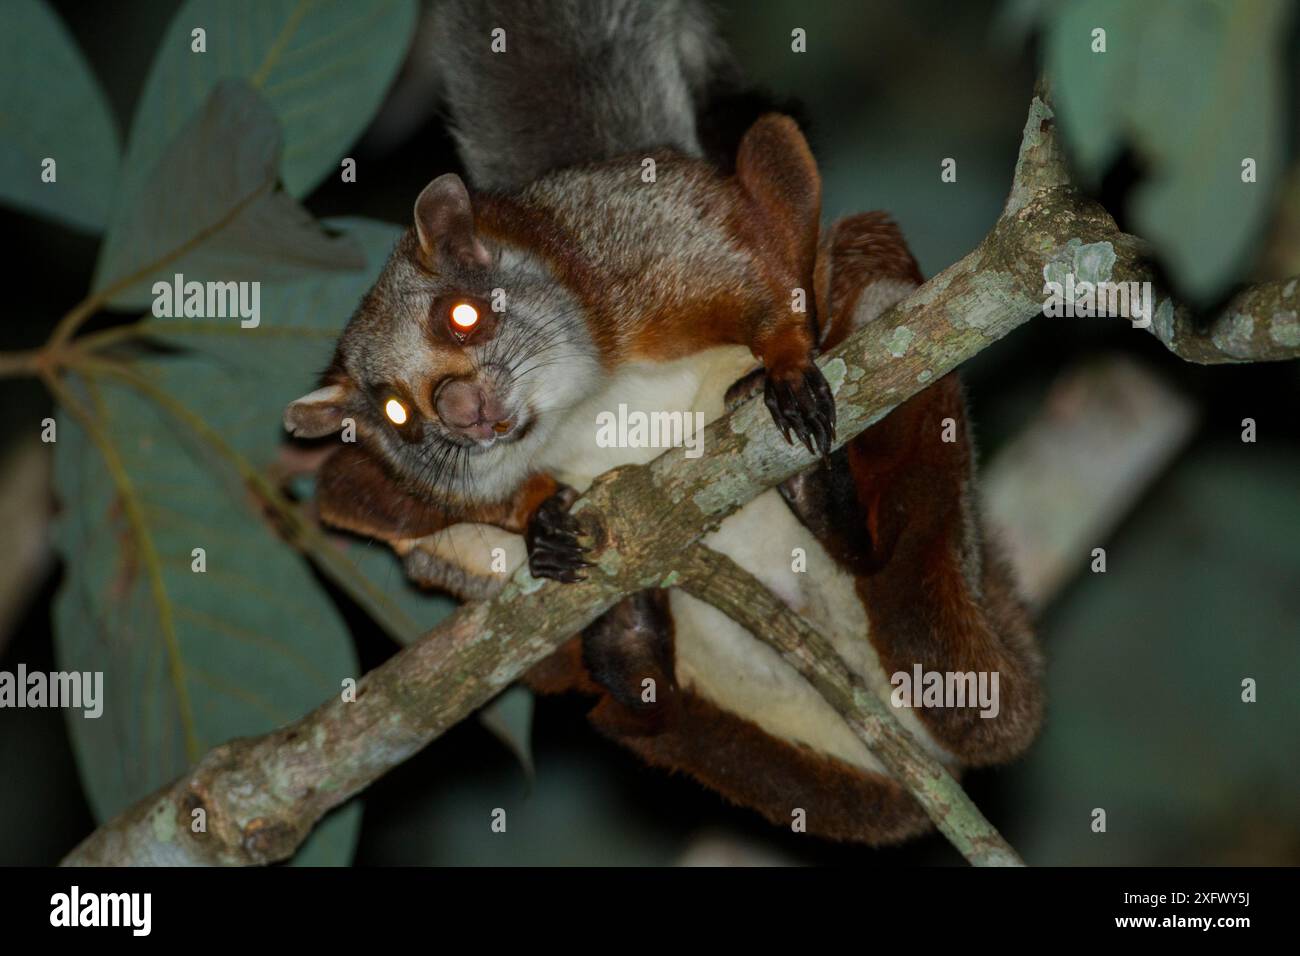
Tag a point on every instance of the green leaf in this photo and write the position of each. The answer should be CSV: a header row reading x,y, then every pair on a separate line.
x,y
190,659
53,107
1195,86
238,380
211,209
1146,664
397,605
281,359
322,65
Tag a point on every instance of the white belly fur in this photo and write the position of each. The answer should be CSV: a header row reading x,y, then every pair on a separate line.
x,y
717,658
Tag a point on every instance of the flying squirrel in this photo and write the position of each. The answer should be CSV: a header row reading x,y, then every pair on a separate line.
x,y
508,318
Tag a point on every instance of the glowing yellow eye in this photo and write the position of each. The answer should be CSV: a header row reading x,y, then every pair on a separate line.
x,y
464,316
395,411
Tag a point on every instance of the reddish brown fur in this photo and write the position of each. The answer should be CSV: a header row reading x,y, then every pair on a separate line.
x,y
933,592
914,490
752,238
865,248
768,211
934,595
356,493
747,766
773,777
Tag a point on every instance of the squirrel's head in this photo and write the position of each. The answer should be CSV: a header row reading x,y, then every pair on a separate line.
x,y
457,361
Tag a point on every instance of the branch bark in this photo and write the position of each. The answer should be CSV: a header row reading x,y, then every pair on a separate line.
x,y
262,795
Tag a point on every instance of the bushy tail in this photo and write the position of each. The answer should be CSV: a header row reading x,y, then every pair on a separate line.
x,y
536,85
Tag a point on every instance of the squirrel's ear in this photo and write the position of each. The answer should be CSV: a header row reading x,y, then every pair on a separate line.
x,y
777,170
444,222
317,413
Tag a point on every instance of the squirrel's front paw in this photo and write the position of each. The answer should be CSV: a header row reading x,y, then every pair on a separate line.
x,y
552,540
801,402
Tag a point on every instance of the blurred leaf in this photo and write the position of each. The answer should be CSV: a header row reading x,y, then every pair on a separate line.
x,y
322,65
281,359
190,659
408,611
212,197
510,719
257,614
1195,86
1144,678
236,632
53,107
1283,259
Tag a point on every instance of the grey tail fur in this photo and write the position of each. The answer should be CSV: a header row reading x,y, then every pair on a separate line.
x,y
578,81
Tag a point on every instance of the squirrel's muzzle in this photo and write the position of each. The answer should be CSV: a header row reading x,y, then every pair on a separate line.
x,y
473,410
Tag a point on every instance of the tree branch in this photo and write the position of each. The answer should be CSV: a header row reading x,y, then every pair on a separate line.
x,y
262,795
1261,323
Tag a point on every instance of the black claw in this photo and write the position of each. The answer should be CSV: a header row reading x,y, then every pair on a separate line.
x,y
773,403
806,409
552,542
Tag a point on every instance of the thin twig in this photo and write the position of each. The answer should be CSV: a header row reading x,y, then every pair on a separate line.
x,y
717,580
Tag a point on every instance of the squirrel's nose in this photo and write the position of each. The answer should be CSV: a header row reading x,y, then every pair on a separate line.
x,y
471,409
458,403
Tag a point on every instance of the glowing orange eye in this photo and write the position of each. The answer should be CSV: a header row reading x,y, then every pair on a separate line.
x,y
464,316
395,411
